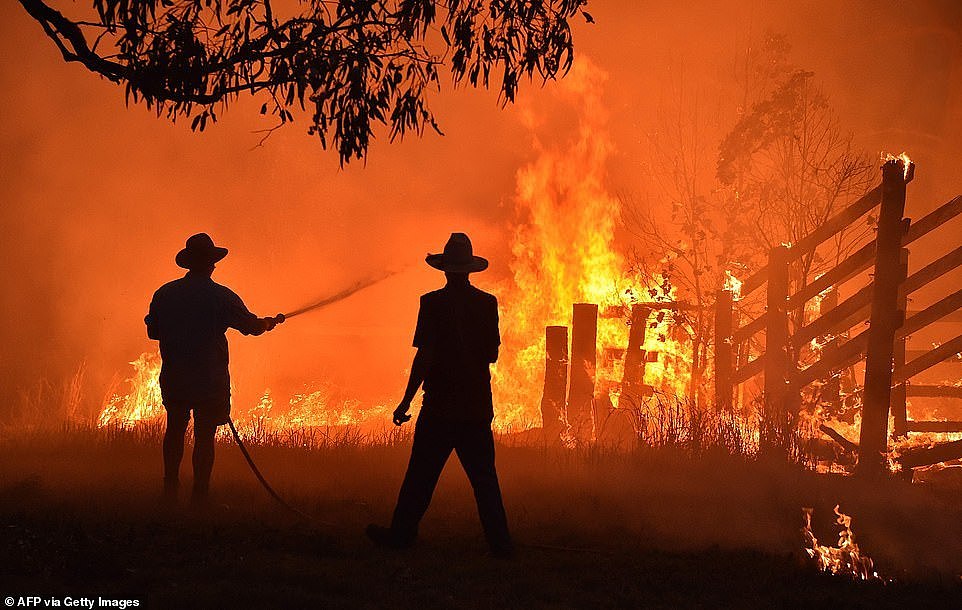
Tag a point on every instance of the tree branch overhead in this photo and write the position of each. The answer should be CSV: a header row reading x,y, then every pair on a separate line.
x,y
351,65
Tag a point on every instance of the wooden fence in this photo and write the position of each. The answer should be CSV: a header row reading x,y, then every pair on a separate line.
x,y
882,303
571,395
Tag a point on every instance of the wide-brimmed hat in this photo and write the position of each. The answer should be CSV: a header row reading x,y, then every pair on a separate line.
x,y
199,251
458,256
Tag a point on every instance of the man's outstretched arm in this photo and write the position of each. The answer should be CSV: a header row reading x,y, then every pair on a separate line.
x,y
257,326
419,368
241,318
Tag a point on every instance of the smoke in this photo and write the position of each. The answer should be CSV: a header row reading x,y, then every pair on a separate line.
x,y
97,198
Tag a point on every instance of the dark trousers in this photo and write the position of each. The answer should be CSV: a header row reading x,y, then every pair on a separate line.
x,y
434,440
203,458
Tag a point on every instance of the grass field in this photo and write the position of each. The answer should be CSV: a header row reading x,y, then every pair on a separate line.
x,y
79,516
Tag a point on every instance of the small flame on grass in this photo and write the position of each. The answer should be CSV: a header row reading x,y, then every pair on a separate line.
x,y
846,558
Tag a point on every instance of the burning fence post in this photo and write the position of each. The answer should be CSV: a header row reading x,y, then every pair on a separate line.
x,y
584,340
633,380
555,380
773,431
899,394
883,323
724,356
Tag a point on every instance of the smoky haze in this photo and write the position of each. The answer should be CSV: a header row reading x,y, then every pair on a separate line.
x,y
97,198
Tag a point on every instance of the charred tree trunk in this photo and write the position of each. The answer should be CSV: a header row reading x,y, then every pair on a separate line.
x,y
555,381
584,341
883,324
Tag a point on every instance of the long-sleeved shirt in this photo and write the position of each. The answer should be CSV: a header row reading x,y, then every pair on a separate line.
x,y
190,316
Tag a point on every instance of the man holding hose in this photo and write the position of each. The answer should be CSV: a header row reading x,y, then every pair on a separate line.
x,y
190,316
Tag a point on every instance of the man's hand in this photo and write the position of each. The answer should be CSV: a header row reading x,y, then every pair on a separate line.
x,y
401,413
272,322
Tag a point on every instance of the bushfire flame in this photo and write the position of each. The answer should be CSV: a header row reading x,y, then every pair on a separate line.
x,y
564,252
142,402
845,558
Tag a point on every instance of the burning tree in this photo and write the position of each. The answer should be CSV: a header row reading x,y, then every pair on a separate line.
x,y
353,63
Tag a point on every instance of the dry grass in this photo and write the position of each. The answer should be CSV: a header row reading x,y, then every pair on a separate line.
x,y
658,526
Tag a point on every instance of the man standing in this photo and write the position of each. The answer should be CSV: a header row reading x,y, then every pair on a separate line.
x,y
457,339
190,317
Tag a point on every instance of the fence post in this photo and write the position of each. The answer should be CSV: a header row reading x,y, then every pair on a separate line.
x,y
724,358
584,340
633,379
883,323
774,413
555,380
899,414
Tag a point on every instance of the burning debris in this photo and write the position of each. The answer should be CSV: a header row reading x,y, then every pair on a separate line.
x,y
844,559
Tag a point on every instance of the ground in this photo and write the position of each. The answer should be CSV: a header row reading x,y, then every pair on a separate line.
x,y
79,516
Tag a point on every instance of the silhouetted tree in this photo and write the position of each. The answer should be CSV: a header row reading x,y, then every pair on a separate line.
x,y
351,63
781,170
788,165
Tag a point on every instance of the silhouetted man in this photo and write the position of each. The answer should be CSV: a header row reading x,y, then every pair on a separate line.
x,y
190,317
457,339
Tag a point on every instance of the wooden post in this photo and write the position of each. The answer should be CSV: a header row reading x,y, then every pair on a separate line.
x,y
772,435
883,324
899,413
555,380
724,353
831,391
633,380
584,340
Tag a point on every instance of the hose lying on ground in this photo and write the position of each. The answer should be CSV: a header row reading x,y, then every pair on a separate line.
x,y
263,481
